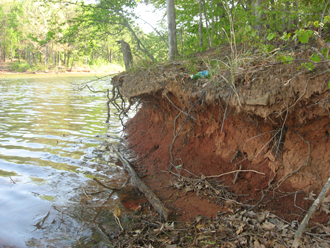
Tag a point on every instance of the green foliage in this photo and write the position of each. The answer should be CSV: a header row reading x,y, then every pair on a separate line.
x,y
303,35
90,30
20,66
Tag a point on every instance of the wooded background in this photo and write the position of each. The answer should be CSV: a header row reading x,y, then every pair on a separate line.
x,y
68,33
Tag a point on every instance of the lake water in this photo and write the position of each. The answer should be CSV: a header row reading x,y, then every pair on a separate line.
x,y
51,148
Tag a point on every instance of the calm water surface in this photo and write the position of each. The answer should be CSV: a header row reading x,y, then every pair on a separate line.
x,y
50,149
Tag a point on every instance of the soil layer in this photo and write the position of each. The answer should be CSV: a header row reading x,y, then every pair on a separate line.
x,y
261,131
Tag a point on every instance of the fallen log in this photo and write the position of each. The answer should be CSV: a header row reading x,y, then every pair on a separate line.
x,y
151,197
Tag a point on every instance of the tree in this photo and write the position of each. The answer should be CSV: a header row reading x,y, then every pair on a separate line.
x,y
171,26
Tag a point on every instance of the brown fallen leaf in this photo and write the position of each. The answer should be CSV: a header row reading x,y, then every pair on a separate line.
x,y
116,212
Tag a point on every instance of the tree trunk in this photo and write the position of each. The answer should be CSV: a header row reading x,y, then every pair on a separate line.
x,y
206,22
68,59
65,55
295,20
171,26
200,26
4,48
11,50
256,5
212,23
181,34
46,55
127,53
110,56
59,58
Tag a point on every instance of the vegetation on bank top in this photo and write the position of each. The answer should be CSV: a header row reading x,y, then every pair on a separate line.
x,y
74,33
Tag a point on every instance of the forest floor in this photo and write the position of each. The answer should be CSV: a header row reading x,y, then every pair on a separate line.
x,y
239,157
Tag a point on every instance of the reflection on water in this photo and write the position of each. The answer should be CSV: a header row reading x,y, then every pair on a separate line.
x,y
50,149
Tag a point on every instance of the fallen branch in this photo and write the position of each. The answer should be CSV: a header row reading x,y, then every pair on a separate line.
x,y
232,172
151,197
316,204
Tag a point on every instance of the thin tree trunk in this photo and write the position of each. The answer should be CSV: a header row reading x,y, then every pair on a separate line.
x,y
256,4
212,23
110,56
181,34
59,58
4,47
68,59
11,49
207,25
46,55
200,26
65,55
171,26
295,20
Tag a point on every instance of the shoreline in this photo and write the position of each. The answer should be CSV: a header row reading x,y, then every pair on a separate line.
x,y
57,70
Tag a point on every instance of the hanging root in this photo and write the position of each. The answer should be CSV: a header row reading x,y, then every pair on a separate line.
x,y
176,135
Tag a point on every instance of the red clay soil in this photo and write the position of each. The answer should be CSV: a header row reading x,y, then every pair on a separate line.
x,y
278,129
203,150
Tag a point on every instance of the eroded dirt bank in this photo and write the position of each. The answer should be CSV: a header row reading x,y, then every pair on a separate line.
x,y
272,124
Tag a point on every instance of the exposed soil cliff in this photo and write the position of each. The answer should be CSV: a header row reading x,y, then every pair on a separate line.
x,y
269,119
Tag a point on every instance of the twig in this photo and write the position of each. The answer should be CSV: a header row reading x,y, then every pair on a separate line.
x,y
12,180
224,116
318,102
103,185
236,176
181,111
117,220
231,172
261,199
316,204
41,222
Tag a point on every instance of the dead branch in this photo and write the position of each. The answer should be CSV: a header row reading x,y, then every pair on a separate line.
x,y
151,197
235,171
316,204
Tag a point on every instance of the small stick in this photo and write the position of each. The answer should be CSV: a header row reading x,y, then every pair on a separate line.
x,y
316,204
236,176
231,172
103,185
224,116
12,180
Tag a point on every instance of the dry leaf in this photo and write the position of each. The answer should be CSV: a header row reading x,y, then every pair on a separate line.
x,y
240,229
262,216
199,218
116,212
325,208
188,188
268,226
257,244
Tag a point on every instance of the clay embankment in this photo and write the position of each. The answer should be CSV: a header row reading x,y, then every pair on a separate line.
x,y
274,121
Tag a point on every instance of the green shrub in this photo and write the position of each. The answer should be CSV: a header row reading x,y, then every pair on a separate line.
x,y
20,66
